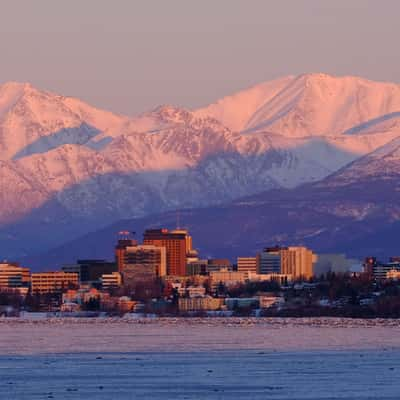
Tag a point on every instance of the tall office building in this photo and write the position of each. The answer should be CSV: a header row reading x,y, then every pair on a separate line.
x,y
298,261
178,245
120,250
269,261
147,255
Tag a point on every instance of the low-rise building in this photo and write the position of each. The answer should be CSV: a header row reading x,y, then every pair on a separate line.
x,y
247,265
192,291
270,300
111,281
380,270
393,274
282,279
125,304
227,278
241,302
218,264
200,304
90,270
70,307
81,295
204,267
14,276
197,267
52,282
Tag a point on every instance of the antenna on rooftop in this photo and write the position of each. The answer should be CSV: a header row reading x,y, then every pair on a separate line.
x,y
178,218
125,234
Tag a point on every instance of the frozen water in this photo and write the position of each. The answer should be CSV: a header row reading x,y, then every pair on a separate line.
x,y
61,335
200,359
243,374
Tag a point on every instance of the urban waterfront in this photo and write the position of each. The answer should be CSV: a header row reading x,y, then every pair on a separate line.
x,y
166,276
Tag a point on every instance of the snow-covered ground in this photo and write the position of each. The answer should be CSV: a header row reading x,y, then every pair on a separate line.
x,y
236,358
197,334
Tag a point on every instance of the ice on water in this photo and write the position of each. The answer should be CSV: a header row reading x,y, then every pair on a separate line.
x,y
200,359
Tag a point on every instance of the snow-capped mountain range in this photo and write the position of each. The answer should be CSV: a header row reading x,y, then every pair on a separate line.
x,y
74,168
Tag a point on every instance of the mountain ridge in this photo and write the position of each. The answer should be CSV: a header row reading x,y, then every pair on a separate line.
x,y
60,155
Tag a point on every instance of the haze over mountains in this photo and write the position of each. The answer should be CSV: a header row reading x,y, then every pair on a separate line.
x,y
67,168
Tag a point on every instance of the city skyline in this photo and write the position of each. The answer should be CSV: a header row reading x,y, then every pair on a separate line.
x,y
199,199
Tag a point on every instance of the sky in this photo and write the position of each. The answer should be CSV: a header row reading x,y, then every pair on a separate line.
x,y
129,56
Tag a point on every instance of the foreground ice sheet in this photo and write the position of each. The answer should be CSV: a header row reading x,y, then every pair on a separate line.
x,y
200,359
203,375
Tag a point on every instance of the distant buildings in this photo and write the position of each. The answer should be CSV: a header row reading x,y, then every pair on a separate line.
x,y
166,276
296,261
290,262
91,270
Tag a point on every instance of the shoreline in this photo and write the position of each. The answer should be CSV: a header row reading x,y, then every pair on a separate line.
x,y
330,322
57,336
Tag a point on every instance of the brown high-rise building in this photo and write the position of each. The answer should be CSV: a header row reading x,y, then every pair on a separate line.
x,y
120,250
178,245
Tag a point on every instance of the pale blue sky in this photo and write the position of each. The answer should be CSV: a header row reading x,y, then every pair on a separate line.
x,y
129,56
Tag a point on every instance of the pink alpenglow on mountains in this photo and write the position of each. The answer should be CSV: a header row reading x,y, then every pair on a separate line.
x,y
61,158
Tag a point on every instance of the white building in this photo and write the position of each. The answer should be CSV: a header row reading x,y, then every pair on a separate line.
x,y
109,281
247,264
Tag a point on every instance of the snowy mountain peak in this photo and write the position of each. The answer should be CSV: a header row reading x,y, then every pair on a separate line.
x,y
61,152
15,85
307,105
169,113
10,94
